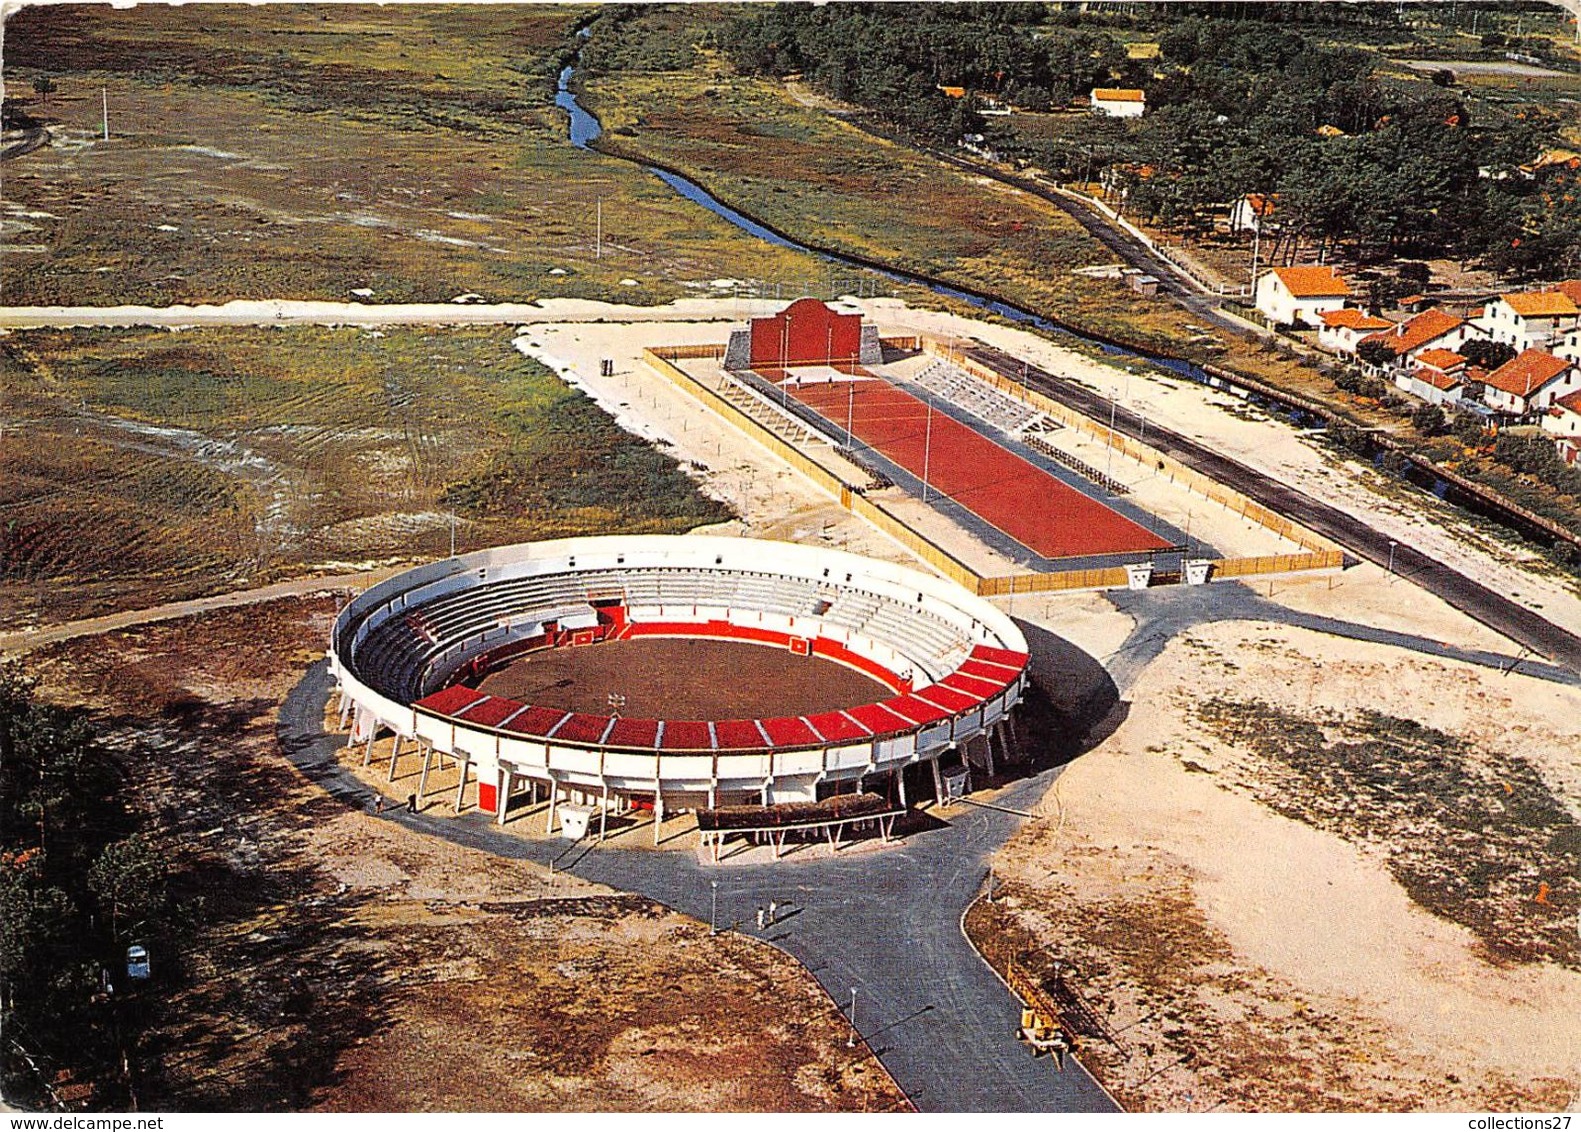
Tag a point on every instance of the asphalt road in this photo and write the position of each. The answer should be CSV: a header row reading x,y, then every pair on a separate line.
x,y
1522,625
885,922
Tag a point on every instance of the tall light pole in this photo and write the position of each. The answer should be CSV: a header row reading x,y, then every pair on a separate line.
x,y
1114,404
452,534
927,447
713,908
850,1043
1392,545
850,412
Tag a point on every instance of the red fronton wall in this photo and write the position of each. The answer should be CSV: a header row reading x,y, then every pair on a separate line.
x,y
806,333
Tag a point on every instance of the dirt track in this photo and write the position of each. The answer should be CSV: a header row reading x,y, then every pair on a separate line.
x,y
662,678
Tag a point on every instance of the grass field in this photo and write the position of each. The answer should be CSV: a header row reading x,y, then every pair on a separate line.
x,y
827,181
309,151
142,465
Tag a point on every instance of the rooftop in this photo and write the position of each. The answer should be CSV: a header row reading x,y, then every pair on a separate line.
x,y
1117,94
1527,372
1440,358
1541,304
1417,331
1313,282
1354,319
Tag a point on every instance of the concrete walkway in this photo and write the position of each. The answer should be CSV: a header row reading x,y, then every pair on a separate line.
x,y
885,922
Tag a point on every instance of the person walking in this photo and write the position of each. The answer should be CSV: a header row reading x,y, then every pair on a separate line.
x,y
411,803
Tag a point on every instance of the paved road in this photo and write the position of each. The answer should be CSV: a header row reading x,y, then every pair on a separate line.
x,y
1522,625
886,922
30,639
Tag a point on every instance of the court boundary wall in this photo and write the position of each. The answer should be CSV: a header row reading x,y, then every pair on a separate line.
x,y
1319,553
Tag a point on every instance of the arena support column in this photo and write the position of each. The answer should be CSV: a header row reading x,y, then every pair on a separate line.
x,y
461,786
422,779
938,780
554,801
395,753
658,809
503,797
603,812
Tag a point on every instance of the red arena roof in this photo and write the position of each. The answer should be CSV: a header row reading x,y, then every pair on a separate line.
x,y
537,721
582,728
491,711
686,735
452,700
740,735
836,727
918,711
633,733
879,719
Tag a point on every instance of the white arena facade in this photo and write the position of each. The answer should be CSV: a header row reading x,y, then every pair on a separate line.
x,y
405,655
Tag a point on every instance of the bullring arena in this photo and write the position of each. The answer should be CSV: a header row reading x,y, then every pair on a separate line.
x,y
756,683
937,671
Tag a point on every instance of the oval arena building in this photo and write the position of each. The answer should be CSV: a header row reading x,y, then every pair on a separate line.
x,y
679,672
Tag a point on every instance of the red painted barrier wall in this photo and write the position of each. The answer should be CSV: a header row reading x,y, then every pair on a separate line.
x,y
806,333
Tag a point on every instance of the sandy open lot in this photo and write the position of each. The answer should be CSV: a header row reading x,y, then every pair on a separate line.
x,y
1368,915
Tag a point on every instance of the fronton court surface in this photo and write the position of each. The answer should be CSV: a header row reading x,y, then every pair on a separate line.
x,y
1038,510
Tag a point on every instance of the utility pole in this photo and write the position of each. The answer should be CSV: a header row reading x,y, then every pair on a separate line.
x,y
850,1043
927,449
104,96
850,413
598,237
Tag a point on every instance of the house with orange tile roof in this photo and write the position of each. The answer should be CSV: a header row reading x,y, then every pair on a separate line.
x,y
1119,102
1530,382
1339,331
1530,320
1434,328
1562,421
1300,294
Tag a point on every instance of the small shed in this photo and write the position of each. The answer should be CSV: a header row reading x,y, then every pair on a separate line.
x,y
1144,284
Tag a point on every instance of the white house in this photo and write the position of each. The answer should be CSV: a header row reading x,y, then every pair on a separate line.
x,y
1530,382
1253,212
1118,102
1300,294
1562,421
1340,330
1530,320
1437,376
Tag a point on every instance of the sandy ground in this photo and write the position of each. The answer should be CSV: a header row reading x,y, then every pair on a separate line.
x,y
1243,953
341,962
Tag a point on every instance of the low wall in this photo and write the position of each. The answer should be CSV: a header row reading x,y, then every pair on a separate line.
x,y
1320,554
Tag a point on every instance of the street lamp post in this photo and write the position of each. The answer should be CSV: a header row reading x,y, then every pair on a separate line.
x,y
713,908
850,412
927,448
850,1042
1392,545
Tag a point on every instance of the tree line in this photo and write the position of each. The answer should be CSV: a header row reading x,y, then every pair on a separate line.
x,y
79,882
1383,166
